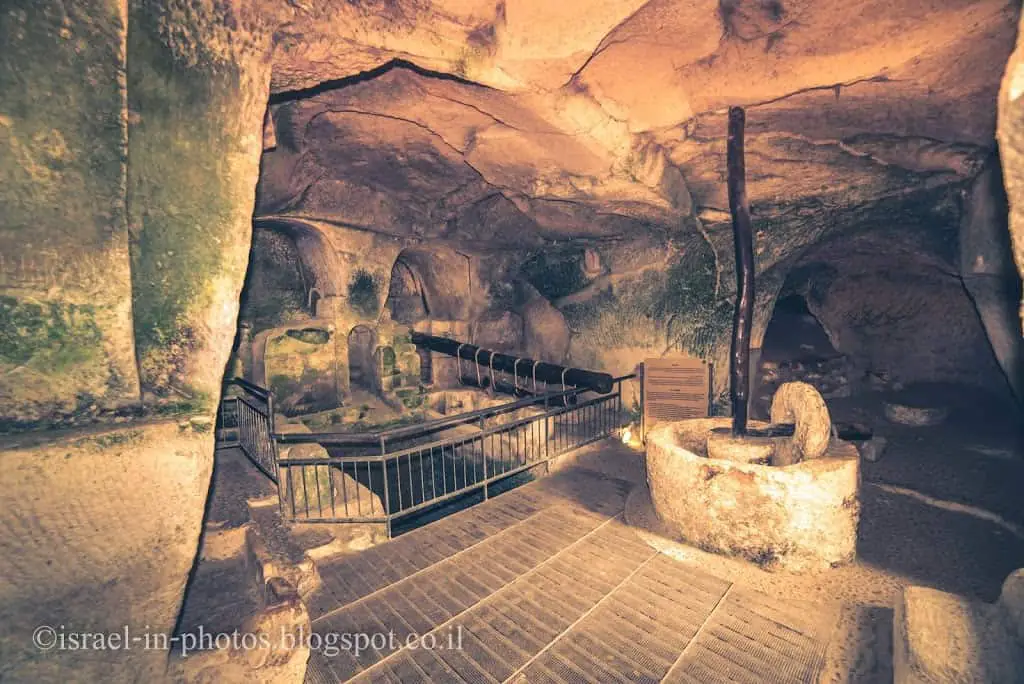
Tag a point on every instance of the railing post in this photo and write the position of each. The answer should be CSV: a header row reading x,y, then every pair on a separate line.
x,y
643,408
387,488
618,409
271,428
483,456
547,437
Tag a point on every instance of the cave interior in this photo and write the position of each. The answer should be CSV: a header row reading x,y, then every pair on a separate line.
x,y
200,197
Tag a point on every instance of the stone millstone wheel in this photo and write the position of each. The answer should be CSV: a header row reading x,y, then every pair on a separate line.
x,y
803,406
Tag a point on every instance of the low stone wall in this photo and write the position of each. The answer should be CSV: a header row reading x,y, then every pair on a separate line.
x,y
799,517
98,532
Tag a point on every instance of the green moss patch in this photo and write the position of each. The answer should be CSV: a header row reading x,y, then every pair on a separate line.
x,y
556,274
109,441
49,337
310,335
364,294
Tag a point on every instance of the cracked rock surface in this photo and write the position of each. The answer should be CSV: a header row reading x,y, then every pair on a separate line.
x,y
520,126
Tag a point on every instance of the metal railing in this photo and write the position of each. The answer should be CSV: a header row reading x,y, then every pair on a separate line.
x,y
384,476
251,412
353,484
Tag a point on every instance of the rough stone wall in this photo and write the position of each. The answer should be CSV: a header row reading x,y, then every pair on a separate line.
x,y
275,289
305,366
128,161
892,305
66,341
1011,147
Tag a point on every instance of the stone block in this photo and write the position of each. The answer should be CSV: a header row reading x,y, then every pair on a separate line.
x,y
325,491
941,638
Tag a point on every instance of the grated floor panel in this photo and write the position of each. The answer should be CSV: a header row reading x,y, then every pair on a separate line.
x,y
547,584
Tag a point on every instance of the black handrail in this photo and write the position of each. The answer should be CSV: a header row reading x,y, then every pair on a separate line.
x,y
493,361
410,431
375,438
261,392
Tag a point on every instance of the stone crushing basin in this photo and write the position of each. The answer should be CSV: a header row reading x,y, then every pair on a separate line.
x,y
799,517
546,583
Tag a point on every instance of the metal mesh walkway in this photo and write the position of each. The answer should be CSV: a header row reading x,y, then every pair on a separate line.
x,y
547,584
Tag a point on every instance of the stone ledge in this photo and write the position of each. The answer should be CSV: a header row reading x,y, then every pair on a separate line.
x,y
941,638
199,422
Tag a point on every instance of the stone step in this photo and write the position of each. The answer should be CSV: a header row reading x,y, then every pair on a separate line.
x,y
940,637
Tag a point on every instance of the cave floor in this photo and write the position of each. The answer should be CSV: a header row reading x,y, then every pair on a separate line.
x,y
570,577
549,583
552,581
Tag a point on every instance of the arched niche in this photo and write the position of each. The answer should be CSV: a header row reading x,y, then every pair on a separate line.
x,y
362,341
436,278
405,295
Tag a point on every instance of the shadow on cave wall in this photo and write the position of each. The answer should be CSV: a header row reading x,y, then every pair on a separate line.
x,y
864,315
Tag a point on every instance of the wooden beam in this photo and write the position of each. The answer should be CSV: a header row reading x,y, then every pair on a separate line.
x,y
739,207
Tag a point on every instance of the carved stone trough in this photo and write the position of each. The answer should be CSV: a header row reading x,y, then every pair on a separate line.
x,y
785,503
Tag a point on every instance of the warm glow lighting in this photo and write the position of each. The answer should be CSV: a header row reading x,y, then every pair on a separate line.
x,y
626,434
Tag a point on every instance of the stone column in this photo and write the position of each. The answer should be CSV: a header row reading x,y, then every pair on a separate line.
x,y
989,275
198,86
65,288
1010,133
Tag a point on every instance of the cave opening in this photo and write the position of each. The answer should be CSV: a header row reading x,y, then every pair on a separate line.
x,y
794,333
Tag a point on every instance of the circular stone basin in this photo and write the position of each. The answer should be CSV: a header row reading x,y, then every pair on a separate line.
x,y
916,416
915,406
798,517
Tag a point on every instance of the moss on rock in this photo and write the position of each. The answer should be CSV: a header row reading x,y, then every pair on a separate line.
x,y
671,307
364,294
52,336
197,88
65,318
556,273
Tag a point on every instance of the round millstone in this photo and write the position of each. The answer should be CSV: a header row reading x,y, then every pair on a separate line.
x,y
803,406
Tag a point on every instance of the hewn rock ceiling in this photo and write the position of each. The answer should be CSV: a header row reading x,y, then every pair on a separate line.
x,y
495,122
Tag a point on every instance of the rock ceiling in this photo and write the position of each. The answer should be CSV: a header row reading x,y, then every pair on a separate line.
x,y
537,120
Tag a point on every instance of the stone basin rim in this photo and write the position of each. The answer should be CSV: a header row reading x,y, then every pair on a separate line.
x,y
667,437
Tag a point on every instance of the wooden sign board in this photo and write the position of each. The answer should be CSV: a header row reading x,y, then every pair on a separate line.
x,y
675,388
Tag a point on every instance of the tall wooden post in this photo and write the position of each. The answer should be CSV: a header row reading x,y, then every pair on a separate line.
x,y
739,207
